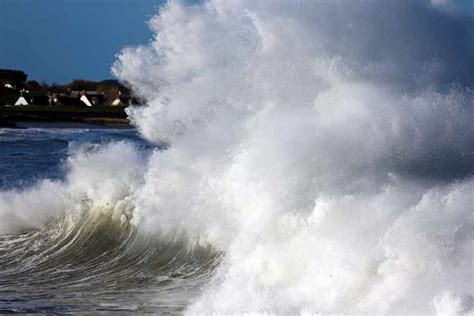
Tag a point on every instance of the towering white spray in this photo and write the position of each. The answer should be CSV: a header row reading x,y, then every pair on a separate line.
x,y
326,146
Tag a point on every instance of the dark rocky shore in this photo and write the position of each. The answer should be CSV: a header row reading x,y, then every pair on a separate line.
x,y
102,115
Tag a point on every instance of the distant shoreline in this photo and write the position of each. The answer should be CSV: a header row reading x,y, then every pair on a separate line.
x,y
13,116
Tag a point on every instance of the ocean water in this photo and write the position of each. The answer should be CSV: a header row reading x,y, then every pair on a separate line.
x,y
35,152
292,157
83,262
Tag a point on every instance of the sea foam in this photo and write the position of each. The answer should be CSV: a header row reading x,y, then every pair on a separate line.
x,y
325,146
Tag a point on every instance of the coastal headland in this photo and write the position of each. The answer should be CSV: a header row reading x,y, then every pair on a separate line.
x,y
80,101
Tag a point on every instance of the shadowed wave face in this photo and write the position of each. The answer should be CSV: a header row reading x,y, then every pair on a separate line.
x,y
319,159
96,264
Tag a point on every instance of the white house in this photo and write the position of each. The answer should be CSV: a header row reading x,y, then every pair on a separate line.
x,y
21,101
118,102
85,100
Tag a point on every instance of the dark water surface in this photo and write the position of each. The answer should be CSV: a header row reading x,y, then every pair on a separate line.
x,y
38,152
87,262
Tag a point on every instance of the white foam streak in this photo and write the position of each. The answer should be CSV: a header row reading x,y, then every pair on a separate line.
x,y
32,208
100,179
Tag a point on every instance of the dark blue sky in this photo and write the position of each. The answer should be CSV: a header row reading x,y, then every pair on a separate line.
x,y
61,40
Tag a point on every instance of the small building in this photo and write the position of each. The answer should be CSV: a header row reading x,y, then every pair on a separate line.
x,y
89,97
85,100
118,102
21,101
